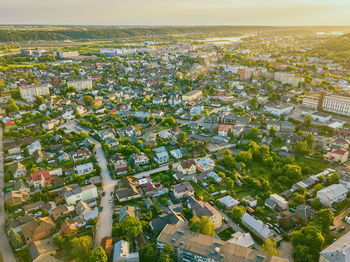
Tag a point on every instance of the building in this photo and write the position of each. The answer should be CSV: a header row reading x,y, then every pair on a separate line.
x,y
279,201
332,194
200,208
66,54
336,104
84,169
288,78
191,246
312,101
42,250
223,130
181,190
80,84
18,170
192,95
122,252
80,154
187,167
173,218
162,157
16,197
337,155
337,251
39,179
38,229
73,195
280,110
258,227
34,147
126,211
228,202
242,239
29,93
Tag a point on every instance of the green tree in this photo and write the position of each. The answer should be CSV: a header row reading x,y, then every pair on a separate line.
x,y
333,179
254,103
182,139
270,247
97,254
272,131
237,213
308,119
80,247
15,238
324,218
88,99
302,148
202,225
148,253
131,226
253,134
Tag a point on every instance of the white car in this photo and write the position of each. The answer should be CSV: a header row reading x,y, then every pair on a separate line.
x,y
1,194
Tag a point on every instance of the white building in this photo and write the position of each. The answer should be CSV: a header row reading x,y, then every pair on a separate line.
x,y
279,110
34,147
122,253
288,78
332,194
84,169
337,251
80,84
29,93
279,201
337,104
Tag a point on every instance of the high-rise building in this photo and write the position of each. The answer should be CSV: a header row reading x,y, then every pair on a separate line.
x,y
288,78
336,104
80,84
29,93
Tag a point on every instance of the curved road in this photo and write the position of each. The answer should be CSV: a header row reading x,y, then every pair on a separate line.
x,y
5,248
105,218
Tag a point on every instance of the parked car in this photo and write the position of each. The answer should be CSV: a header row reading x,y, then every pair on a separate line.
x,y
103,193
101,208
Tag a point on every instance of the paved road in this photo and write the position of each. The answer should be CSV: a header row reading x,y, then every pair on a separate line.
x,y
105,218
5,248
152,171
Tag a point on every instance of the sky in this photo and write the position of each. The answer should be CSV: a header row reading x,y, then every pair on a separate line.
x,y
175,12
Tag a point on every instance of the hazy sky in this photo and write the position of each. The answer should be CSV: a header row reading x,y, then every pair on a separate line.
x,y
176,12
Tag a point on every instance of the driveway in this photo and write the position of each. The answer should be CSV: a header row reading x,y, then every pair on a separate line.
x,y
5,248
105,218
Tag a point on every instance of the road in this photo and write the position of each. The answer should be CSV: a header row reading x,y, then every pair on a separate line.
x,y
5,248
13,53
105,218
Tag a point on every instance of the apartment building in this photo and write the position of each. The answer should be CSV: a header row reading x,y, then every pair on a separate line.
x,y
191,246
332,194
336,104
80,84
311,101
66,54
29,93
288,78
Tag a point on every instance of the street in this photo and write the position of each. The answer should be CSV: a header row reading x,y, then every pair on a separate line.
x,y
105,217
5,248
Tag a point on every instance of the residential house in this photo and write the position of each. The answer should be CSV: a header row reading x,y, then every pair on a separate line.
x,y
337,155
16,197
60,211
73,194
205,164
38,156
126,211
39,179
81,154
279,201
252,202
38,229
122,252
187,167
21,186
338,251
228,202
33,147
182,190
162,157
84,169
128,190
140,160
173,218
200,208
84,210
43,250
224,130
18,170
258,227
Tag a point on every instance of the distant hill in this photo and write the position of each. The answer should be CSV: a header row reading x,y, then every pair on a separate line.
x,y
338,44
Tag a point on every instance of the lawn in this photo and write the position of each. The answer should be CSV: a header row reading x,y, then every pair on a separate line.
x,y
199,192
226,234
316,165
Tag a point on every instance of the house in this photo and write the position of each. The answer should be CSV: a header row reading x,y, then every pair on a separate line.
x,y
13,150
258,227
337,155
107,245
126,211
290,221
34,206
38,156
106,133
42,250
140,160
39,179
340,142
122,253
21,186
162,157
60,211
205,164
279,110
187,167
173,218
18,170
84,169
81,154
33,147
73,194
337,251
280,202
63,157
16,197
176,153
242,239
332,194
224,130
228,202
38,229
182,190
165,134
70,226
128,190
237,131
200,208
191,246
84,210
305,212
112,142
252,202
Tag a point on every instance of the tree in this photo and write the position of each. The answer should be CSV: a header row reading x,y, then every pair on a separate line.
x,y
302,148
269,247
309,139
131,226
308,119
237,213
253,134
307,243
80,247
167,254
97,254
148,252
182,139
88,99
202,225
254,103
15,238
272,131
324,218
333,179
